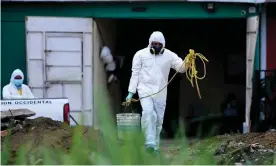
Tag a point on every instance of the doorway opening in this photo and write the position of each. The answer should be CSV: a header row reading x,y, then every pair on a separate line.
x,y
221,41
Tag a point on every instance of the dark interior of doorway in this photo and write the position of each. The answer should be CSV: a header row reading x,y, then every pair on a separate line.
x,y
214,38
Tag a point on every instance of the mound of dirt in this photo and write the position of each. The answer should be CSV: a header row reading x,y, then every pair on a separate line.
x,y
230,149
43,132
267,139
249,148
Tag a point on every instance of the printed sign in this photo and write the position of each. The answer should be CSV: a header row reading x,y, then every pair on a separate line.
x,y
22,102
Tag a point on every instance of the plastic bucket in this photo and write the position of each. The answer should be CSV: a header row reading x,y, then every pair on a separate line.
x,y
128,125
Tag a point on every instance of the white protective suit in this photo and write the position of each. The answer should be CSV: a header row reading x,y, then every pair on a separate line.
x,y
11,92
149,75
106,55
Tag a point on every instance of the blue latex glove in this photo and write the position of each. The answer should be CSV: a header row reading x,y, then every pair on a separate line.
x,y
129,96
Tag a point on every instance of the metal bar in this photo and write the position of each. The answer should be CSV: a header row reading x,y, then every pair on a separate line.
x,y
82,84
80,111
63,82
62,66
266,70
74,51
63,34
33,31
73,119
36,59
36,87
43,98
44,64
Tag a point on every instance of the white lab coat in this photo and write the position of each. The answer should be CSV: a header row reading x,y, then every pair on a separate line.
x,y
149,75
11,92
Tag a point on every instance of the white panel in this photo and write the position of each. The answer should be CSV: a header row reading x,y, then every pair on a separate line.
x,y
88,118
63,43
35,45
35,73
87,85
74,94
83,118
54,91
64,58
77,117
64,73
87,49
67,39
38,93
59,24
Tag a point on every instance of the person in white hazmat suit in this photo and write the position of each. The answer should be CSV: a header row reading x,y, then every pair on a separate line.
x,y
16,89
107,59
150,71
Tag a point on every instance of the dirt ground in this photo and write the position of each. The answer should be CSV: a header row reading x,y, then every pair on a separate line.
x,y
260,148
43,132
250,148
231,149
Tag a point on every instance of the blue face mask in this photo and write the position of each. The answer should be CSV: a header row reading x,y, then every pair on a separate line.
x,y
17,83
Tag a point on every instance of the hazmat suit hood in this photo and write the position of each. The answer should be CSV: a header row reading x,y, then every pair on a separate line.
x,y
16,89
106,55
15,73
157,36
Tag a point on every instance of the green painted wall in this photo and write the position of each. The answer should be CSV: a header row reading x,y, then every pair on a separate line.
x,y
13,52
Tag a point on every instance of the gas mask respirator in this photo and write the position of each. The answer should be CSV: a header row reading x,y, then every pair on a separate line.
x,y
157,49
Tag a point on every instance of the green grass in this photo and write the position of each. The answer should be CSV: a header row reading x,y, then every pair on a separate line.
x,y
83,151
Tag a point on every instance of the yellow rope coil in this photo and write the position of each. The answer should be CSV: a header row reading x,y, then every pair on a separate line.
x,y
191,73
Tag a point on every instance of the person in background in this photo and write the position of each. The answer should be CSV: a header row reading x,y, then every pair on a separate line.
x,y
16,89
150,71
231,114
230,105
110,64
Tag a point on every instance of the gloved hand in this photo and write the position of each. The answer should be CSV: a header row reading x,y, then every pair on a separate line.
x,y
129,96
